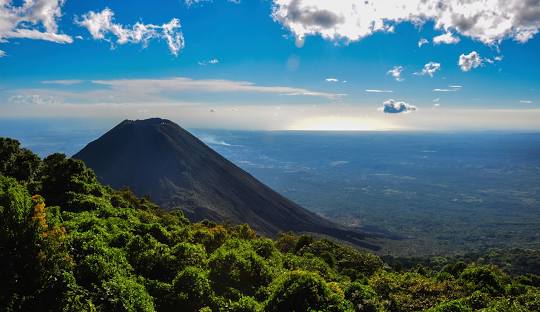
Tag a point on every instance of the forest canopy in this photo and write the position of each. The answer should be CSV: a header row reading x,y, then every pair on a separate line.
x,y
69,243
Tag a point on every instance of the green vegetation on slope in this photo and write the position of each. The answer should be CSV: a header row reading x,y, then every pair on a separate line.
x,y
68,243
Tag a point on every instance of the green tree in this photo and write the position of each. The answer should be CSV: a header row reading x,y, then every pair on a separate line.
x,y
192,290
235,266
17,162
488,279
19,271
304,291
68,182
363,297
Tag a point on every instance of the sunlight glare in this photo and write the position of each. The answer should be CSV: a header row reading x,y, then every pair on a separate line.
x,y
339,123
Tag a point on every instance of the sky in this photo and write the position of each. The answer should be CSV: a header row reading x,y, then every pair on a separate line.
x,y
275,64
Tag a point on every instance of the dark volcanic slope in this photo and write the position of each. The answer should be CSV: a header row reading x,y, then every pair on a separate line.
x,y
156,157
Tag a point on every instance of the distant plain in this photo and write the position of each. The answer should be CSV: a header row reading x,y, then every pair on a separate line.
x,y
425,193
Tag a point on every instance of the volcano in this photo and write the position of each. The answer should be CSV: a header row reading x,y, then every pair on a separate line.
x,y
157,158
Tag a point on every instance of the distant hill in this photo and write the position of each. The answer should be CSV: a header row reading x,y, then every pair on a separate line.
x,y
158,158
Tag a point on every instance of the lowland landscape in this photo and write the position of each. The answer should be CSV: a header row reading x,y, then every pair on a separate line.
x,y
270,156
79,245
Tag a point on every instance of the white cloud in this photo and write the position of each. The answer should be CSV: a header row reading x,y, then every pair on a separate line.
x,y
488,21
396,107
32,99
437,105
32,19
451,88
101,26
436,100
213,61
378,91
429,69
446,38
497,58
525,101
2,53
63,82
203,85
469,61
396,72
422,41
189,3
161,90
332,80
192,2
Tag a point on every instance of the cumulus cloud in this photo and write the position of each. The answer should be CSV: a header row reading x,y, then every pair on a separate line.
x,y
32,19
101,26
447,38
422,41
429,69
396,107
488,21
396,73
378,91
469,61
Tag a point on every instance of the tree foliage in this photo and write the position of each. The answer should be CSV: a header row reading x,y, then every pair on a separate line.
x,y
68,243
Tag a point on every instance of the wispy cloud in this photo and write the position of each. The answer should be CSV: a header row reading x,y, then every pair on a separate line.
x,y
190,3
162,90
32,99
445,90
206,85
378,91
525,101
451,88
422,42
63,82
213,61
332,80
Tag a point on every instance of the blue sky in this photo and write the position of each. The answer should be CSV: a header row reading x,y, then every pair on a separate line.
x,y
282,64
